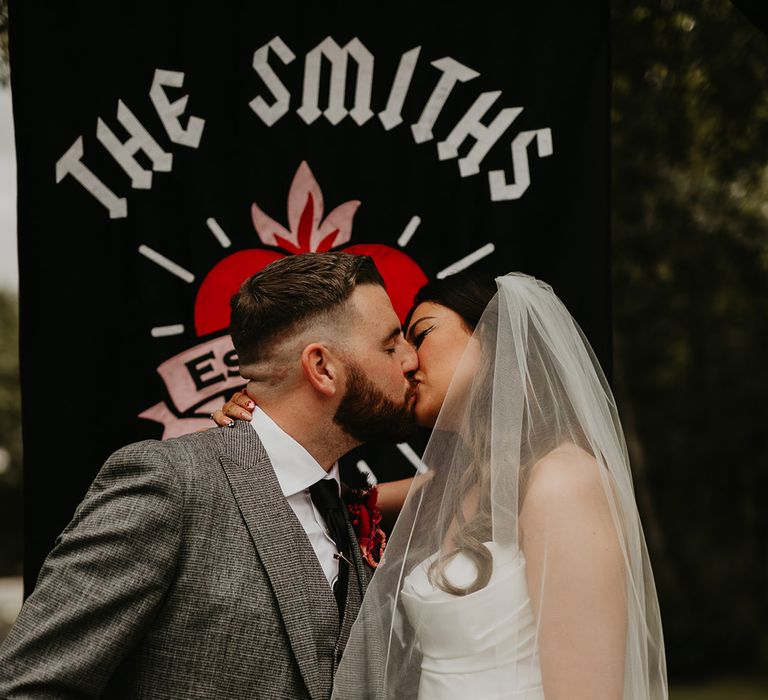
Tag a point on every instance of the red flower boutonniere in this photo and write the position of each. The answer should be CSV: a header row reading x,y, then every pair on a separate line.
x,y
366,518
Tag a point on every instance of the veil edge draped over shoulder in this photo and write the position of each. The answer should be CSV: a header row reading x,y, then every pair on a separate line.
x,y
519,568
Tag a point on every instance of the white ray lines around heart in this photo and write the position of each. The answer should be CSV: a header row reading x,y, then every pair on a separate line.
x,y
408,231
167,264
413,458
367,472
165,331
465,262
218,232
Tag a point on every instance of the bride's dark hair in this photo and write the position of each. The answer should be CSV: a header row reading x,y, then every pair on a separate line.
x,y
468,294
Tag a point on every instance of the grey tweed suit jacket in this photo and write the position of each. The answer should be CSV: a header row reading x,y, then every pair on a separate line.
x,y
183,574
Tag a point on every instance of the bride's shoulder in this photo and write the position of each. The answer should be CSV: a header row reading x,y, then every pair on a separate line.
x,y
568,475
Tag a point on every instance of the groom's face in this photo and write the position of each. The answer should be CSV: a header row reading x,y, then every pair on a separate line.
x,y
379,398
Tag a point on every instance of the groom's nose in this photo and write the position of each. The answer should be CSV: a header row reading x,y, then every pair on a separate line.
x,y
410,359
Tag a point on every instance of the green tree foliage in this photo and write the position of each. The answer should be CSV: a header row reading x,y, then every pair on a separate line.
x,y
3,42
10,437
690,229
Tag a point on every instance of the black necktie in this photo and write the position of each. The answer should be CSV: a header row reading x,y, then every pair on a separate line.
x,y
325,496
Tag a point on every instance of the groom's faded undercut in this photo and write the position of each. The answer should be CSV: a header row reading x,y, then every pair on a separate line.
x,y
289,295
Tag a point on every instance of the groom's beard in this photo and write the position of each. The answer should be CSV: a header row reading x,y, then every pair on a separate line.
x,y
369,416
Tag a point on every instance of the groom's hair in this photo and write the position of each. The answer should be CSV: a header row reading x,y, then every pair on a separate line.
x,y
289,295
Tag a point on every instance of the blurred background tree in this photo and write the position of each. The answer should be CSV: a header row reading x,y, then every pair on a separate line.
x,y
690,237
4,74
10,398
10,438
10,416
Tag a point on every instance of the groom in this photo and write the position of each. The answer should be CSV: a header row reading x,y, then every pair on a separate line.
x,y
221,564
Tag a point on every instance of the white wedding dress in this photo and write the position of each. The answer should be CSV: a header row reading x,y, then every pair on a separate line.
x,y
481,646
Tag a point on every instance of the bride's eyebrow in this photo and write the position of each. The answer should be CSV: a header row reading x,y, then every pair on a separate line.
x,y
416,323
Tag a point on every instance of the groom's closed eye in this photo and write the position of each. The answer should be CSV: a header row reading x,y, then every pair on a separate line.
x,y
389,341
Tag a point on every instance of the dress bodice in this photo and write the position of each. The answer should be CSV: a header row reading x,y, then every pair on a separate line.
x,y
482,645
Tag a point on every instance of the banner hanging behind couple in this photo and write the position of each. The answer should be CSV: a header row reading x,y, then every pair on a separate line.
x,y
166,152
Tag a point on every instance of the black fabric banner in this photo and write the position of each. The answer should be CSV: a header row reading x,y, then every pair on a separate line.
x,y
168,150
755,10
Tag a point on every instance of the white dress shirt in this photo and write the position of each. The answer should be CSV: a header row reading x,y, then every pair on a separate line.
x,y
296,471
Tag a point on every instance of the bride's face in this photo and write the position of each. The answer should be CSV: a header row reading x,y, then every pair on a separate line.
x,y
440,338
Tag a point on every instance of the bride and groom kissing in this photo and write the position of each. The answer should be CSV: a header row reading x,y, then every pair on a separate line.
x,y
223,565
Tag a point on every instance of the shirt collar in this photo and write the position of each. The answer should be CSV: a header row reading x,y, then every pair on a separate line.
x,y
295,468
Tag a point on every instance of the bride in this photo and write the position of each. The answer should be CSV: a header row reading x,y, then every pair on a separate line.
x,y
519,570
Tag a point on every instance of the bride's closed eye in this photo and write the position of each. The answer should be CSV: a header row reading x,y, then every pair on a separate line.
x,y
419,339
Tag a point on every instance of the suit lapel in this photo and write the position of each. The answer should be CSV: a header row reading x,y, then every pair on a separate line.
x,y
275,530
359,576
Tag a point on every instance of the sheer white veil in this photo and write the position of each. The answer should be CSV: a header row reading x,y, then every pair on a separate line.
x,y
529,425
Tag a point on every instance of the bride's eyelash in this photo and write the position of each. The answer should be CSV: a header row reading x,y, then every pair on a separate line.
x,y
419,339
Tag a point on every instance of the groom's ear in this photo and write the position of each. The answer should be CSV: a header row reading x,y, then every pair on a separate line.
x,y
322,368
